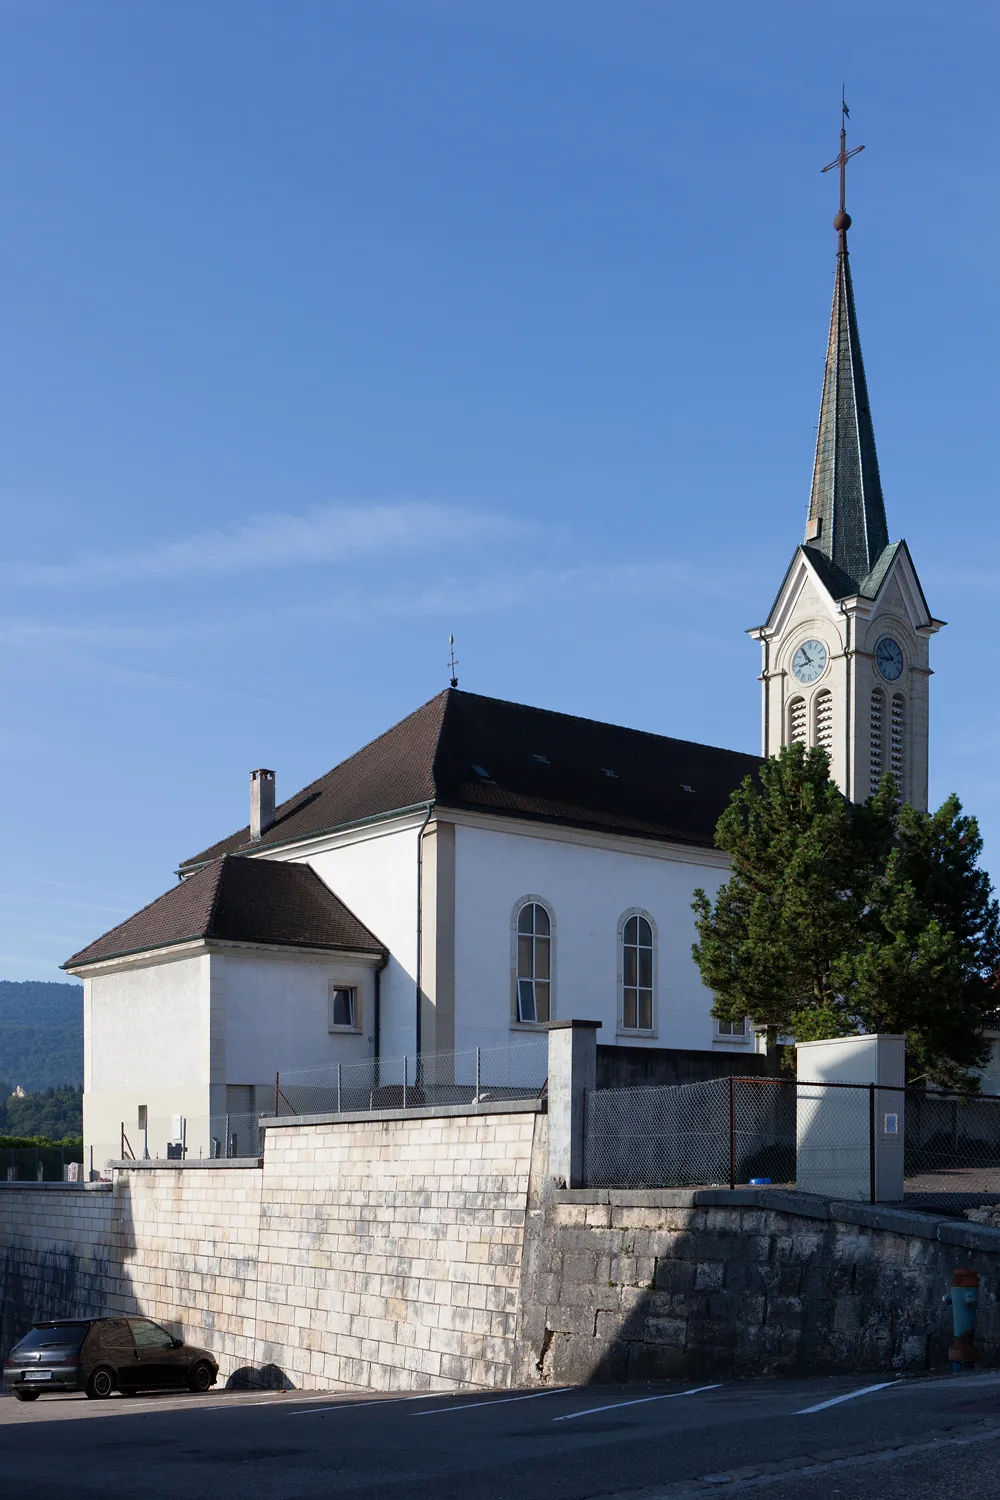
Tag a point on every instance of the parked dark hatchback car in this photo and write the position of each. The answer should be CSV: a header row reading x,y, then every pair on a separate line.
x,y
101,1355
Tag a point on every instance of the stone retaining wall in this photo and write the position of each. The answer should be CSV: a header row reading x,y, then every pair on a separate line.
x,y
55,1253
382,1252
433,1252
647,1285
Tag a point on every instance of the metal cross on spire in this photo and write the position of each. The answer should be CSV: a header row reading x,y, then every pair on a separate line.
x,y
842,222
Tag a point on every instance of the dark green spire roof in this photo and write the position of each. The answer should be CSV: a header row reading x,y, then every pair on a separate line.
x,y
846,511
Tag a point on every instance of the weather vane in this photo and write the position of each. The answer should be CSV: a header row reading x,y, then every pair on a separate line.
x,y
842,222
452,663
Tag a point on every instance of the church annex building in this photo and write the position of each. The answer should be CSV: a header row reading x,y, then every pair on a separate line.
x,y
484,867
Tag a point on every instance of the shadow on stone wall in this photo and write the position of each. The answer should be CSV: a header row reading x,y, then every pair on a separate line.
x,y
647,1286
92,1274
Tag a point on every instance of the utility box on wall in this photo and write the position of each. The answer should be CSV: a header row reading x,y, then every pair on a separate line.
x,y
841,1133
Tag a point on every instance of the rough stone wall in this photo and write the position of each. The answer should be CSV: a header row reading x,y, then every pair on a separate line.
x,y
391,1251
648,1285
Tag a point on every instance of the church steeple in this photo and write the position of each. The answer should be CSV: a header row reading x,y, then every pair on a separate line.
x,y
845,647
846,511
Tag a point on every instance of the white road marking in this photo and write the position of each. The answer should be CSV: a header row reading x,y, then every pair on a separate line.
x,y
865,1390
616,1405
504,1401
356,1405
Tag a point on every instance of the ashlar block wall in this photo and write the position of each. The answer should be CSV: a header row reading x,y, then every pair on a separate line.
x,y
391,1251
383,1253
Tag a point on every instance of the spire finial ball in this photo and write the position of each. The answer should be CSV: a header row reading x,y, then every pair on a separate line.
x,y
842,222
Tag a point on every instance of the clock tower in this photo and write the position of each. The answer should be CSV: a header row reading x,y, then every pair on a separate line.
x,y
846,644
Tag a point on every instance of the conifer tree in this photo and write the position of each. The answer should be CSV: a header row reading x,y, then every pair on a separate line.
x,y
840,919
929,960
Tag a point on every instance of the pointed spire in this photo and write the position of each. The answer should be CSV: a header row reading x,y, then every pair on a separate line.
x,y
846,510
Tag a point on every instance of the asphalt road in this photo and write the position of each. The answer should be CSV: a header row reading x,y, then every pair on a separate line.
x,y
910,1440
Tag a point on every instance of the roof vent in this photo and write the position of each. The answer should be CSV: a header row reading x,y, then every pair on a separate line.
x,y
261,803
482,773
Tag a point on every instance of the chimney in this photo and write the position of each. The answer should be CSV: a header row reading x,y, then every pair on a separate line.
x,y
261,803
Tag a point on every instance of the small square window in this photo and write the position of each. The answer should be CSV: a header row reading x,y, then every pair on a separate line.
x,y
343,1007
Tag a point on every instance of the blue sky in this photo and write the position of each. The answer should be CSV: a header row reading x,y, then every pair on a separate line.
x,y
330,326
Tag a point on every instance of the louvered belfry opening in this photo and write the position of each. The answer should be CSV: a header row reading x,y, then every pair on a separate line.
x,y
823,721
798,723
897,731
876,752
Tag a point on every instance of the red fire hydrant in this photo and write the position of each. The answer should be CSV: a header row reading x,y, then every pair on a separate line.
x,y
964,1297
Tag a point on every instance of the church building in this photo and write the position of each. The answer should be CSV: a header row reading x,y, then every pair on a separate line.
x,y
484,867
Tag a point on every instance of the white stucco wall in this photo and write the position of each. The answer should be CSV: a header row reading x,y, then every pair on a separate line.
x,y
587,889
173,1034
374,872
277,1013
146,1041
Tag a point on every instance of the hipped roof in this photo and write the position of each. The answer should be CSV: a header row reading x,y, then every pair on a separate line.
x,y
238,900
465,751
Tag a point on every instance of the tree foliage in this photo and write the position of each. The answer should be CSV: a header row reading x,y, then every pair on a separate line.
x,y
41,1033
840,919
54,1114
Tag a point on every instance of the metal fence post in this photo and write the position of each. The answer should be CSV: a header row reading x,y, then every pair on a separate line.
x,y
276,1090
478,1074
732,1133
871,1141
339,1067
404,1080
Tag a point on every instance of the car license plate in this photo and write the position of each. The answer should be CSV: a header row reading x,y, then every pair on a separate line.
x,y
38,1374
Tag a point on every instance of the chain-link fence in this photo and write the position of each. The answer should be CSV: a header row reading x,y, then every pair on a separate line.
x,y
935,1150
952,1148
431,1079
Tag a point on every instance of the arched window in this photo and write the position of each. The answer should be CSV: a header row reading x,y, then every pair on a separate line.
x,y
823,721
798,723
638,958
534,963
897,731
876,741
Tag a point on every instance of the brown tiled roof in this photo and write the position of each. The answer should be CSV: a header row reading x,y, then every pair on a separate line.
x,y
462,750
239,900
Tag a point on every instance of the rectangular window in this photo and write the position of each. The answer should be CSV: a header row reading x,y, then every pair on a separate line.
x,y
731,1028
343,1007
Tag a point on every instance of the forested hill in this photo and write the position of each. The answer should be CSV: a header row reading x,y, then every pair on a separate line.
x,y
41,1033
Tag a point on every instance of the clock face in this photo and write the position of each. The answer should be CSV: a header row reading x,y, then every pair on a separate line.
x,y
809,661
889,658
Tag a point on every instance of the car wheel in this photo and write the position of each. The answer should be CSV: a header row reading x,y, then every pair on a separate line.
x,y
27,1395
100,1385
200,1378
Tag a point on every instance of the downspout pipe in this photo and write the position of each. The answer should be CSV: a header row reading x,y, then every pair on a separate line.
x,y
378,1004
420,916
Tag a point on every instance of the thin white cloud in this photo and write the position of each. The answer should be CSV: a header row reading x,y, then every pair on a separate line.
x,y
536,588
268,543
